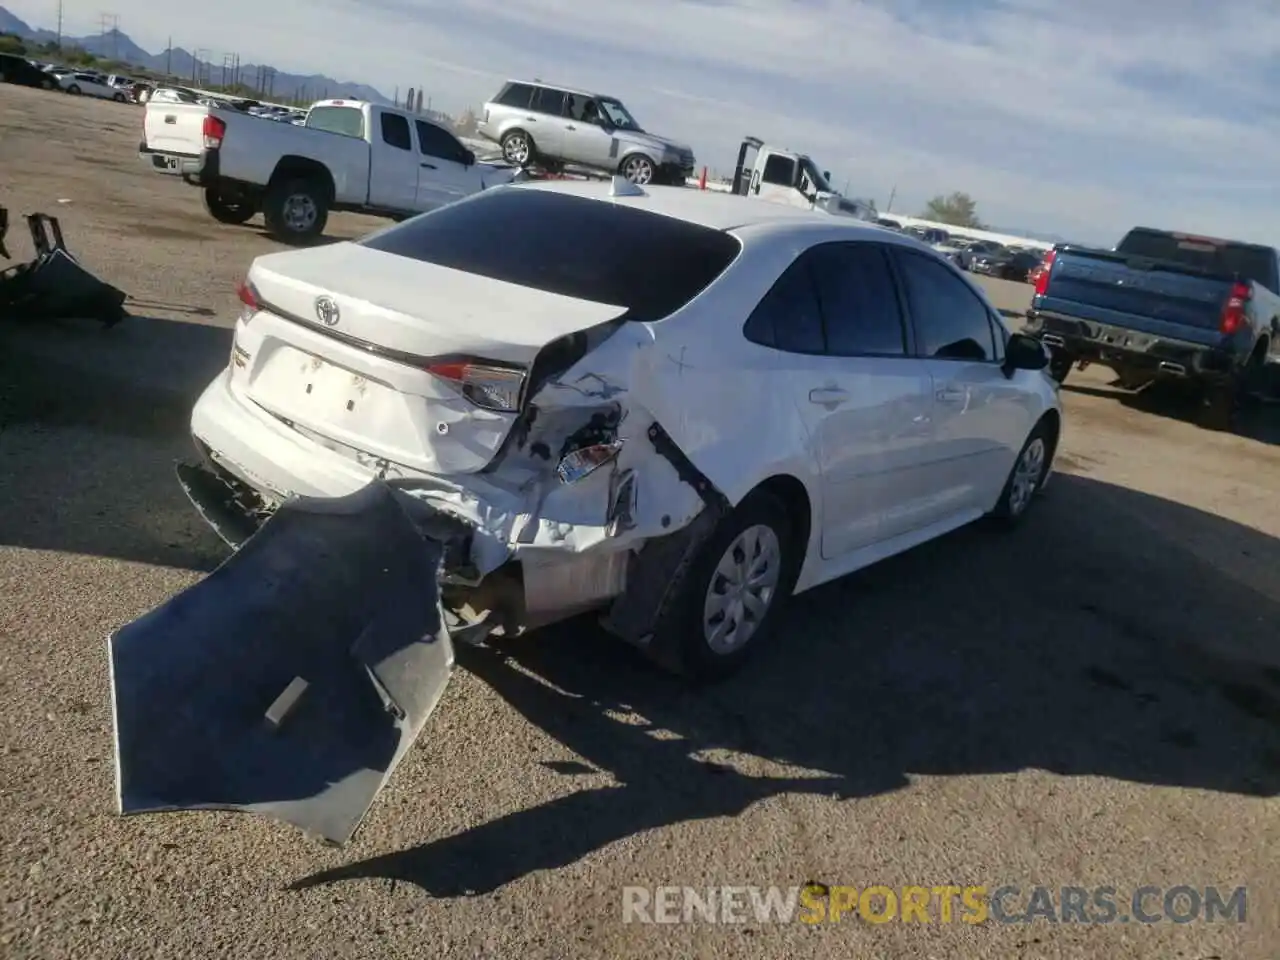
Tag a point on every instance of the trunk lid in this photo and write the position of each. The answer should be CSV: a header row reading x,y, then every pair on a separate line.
x,y
1116,286
358,379
174,127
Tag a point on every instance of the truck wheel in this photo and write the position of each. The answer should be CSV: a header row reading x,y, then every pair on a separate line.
x,y
226,207
296,211
1220,402
730,600
1060,365
517,148
637,168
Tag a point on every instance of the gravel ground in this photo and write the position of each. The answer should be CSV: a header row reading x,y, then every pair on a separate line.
x,y
1091,700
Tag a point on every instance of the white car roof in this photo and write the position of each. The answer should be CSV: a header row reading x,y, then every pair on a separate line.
x,y
719,211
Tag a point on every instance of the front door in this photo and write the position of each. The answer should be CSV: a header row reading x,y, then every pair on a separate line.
x,y
775,179
393,164
585,140
978,414
445,175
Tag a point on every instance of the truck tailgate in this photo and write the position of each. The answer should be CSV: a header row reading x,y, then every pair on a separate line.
x,y
175,128
1143,295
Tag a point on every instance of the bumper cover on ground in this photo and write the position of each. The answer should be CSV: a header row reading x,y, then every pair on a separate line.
x,y
54,286
292,680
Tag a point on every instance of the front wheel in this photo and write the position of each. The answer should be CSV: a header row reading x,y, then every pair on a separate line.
x,y
638,169
226,207
1029,474
727,605
120,98
296,211
73,89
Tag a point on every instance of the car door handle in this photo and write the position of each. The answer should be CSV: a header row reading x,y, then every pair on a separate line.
x,y
829,397
570,127
531,119
428,166
950,395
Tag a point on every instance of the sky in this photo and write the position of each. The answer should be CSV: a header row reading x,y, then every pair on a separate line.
x,y
1078,118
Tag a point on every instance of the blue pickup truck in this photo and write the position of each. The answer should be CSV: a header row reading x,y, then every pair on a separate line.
x,y
1163,305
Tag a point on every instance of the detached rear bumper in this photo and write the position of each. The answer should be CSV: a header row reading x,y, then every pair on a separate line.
x,y
1134,349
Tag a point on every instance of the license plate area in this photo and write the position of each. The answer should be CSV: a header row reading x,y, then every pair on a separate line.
x,y
332,391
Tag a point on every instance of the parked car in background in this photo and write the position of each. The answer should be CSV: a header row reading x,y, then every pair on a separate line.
x,y
1165,304
550,126
19,70
889,222
91,85
1008,264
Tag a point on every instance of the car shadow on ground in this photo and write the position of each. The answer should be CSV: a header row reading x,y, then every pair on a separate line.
x,y
1105,637
1259,420
91,422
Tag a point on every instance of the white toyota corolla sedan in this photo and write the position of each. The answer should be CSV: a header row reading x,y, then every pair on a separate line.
x,y
677,407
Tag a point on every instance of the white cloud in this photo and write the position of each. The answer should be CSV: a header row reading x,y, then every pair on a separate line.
x,y
1082,117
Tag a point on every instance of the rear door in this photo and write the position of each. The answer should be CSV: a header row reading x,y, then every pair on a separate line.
x,y
444,172
980,416
393,163
547,104
834,320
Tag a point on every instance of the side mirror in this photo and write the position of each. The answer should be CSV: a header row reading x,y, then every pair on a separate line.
x,y
826,175
468,158
1024,353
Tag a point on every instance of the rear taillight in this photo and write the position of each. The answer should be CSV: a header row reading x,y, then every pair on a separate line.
x,y
248,295
1233,311
486,385
215,129
1042,278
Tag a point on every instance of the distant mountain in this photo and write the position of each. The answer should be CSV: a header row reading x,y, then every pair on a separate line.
x,y
184,66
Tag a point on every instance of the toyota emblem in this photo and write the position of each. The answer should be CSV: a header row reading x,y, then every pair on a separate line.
x,y
327,311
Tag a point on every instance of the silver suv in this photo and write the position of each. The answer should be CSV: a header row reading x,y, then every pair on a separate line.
x,y
553,126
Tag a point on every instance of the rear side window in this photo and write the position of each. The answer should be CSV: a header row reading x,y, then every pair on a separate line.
x,y
344,121
788,317
779,170
1222,256
546,100
578,247
515,95
395,131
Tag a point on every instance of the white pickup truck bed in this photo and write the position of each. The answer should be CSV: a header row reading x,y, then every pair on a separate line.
x,y
349,155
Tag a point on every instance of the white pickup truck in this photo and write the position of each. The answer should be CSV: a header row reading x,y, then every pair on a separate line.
x,y
349,155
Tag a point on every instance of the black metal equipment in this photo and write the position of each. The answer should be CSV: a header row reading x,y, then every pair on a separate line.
x,y
53,285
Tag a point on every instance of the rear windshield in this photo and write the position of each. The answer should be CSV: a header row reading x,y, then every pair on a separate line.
x,y
574,246
1254,263
345,121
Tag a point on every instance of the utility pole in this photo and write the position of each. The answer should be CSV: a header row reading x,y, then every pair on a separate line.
x,y
59,24
110,24
168,59
888,208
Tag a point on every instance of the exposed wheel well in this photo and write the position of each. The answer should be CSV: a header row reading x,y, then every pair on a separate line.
x,y
791,493
303,168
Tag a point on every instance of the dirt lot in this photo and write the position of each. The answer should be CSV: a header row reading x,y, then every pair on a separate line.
x,y
1089,701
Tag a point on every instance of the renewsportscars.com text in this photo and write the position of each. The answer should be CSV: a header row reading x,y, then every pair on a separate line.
x,y
974,904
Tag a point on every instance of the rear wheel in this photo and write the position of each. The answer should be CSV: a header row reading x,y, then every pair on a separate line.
x,y
729,602
73,89
517,148
120,98
1060,365
296,211
227,207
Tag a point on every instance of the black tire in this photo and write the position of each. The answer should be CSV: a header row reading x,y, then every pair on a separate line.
x,y
680,640
228,209
73,89
1015,499
120,98
1060,365
46,84
284,222
639,169
518,149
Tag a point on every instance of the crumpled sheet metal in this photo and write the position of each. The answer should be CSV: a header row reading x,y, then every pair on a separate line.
x,y
291,681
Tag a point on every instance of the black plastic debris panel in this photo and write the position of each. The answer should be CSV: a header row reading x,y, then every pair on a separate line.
x,y
291,681
54,286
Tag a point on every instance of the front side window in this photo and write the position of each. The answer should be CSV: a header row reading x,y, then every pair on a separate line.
x,y
950,320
